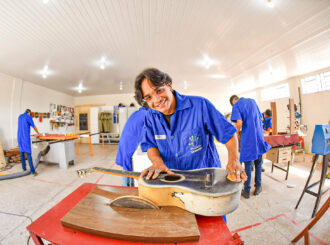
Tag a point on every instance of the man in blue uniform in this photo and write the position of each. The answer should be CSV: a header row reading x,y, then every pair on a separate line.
x,y
179,130
129,141
23,138
267,121
247,116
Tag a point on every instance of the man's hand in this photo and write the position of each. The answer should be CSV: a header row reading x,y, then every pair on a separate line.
x,y
236,172
158,165
234,169
154,171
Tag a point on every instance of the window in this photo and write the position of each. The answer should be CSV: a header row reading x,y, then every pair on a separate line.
x,y
326,80
276,92
251,95
316,83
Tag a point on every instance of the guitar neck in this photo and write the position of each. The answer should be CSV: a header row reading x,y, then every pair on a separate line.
x,y
130,174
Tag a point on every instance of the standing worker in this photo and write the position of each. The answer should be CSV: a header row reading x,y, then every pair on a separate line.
x,y
179,130
246,115
129,142
267,121
23,138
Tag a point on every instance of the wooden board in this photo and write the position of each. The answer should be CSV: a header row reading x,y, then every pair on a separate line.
x,y
2,157
274,117
58,137
92,215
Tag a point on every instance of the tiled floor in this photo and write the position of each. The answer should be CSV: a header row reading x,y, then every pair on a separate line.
x,y
269,218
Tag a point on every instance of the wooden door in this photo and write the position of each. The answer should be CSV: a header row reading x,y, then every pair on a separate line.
x,y
83,124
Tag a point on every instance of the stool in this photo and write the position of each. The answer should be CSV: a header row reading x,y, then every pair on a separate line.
x,y
307,187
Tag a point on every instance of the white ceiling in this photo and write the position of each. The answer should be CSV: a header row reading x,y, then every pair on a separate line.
x,y
253,44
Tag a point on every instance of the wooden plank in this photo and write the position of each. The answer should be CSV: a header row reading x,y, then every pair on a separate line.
x,y
93,216
2,157
274,117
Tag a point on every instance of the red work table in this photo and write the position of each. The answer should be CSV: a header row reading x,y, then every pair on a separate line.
x,y
213,230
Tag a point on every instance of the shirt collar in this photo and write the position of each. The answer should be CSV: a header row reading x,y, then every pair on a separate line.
x,y
182,102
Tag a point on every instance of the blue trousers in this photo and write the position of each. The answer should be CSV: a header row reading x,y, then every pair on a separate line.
x,y
29,160
127,181
257,177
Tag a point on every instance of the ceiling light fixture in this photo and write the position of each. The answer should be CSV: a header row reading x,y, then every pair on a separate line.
x,y
80,87
45,72
207,62
185,85
45,1
103,62
121,85
270,3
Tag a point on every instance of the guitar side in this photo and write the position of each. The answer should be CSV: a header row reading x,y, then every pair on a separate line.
x,y
214,196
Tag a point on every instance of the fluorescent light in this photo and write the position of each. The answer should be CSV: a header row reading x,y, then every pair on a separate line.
x,y
45,72
185,85
207,62
270,3
80,87
45,1
103,62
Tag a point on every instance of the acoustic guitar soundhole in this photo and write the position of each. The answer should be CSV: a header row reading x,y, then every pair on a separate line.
x,y
173,178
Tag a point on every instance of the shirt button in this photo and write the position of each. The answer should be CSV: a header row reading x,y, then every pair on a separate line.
x,y
172,137
176,154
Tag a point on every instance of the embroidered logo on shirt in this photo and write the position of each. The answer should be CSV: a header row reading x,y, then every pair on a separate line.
x,y
160,137
194,146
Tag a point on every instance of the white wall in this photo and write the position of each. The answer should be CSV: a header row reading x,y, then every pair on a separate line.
x,y
16,96
315,107
108,99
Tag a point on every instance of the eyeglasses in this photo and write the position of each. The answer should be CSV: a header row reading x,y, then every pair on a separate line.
x,y
158,91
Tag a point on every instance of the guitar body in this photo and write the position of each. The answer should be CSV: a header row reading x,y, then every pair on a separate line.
x,y
202,191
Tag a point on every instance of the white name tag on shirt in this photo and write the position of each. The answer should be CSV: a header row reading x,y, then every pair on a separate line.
x,y
160,137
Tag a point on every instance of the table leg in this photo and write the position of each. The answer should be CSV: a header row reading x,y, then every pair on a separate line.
x,y
37,240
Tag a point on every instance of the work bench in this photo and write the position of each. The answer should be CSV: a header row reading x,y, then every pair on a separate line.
x,y
282,151
213,230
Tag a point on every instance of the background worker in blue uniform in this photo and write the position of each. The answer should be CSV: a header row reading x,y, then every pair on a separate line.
x,y
179,130
247,116
267,121
25,121
129,141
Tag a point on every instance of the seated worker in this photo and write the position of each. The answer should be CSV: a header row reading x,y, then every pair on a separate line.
x,y
267,122
246,115
129,142
179,130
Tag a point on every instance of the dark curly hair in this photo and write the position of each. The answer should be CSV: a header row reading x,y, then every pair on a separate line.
x,y
157,77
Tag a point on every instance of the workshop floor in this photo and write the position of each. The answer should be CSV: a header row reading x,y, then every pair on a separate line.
x,y
269,218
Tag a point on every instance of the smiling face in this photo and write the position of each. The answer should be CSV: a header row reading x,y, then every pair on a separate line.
x,y
160,98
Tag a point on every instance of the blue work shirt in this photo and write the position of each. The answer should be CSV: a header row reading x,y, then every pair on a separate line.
x,y
253,142
189,143
25,121
130,138
267,122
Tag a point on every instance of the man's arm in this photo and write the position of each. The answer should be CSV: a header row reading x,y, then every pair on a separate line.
x,y
234,168
35,129
238,125
158,164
